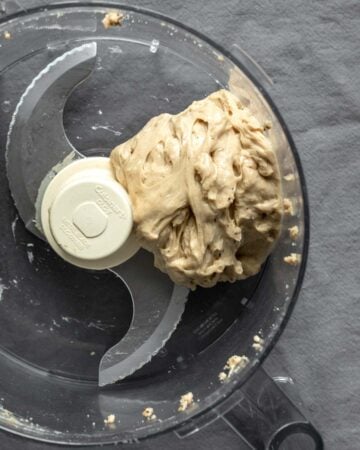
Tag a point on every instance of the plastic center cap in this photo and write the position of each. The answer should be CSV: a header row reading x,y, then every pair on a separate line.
x,y
89,219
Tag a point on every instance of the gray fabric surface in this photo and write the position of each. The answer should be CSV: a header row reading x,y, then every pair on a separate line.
x,y
311,51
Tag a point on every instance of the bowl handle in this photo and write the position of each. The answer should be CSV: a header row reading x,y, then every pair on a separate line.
x,y
262,416
266,419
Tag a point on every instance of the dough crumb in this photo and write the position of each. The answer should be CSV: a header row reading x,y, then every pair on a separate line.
x,y
222,376
258,343
7,35
110,419
289,177
220,58
235,363
113,19
288,207
186,400
148,413
293,259
294,232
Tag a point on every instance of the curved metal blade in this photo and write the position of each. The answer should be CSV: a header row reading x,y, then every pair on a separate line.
x,y
36,140
158,305
37,149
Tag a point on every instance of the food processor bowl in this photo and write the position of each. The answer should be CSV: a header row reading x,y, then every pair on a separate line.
x,y
56,320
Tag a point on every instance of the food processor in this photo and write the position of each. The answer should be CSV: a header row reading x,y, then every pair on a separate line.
x,y
87,344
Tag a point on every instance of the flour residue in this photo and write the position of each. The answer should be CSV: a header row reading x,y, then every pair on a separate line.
x,y
29,252
14,421
13,226
3,288
106,128
115,50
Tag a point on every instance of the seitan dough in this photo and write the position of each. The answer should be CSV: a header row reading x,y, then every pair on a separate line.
x,y
205,191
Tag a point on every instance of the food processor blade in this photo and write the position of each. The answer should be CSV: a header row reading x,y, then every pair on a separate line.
x,y
154,317
36,140
37,149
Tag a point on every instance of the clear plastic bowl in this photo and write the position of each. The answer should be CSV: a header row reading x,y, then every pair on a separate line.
x,y
55,320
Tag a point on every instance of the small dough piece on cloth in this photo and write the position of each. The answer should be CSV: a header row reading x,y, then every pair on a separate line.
x,y
205,191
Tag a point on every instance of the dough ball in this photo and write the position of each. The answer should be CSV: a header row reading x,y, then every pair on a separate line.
x,y
205,190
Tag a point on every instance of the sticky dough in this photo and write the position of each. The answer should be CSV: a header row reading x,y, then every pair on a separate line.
x,y
205,191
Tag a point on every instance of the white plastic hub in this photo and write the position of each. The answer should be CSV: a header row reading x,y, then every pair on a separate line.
x,y
86,215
